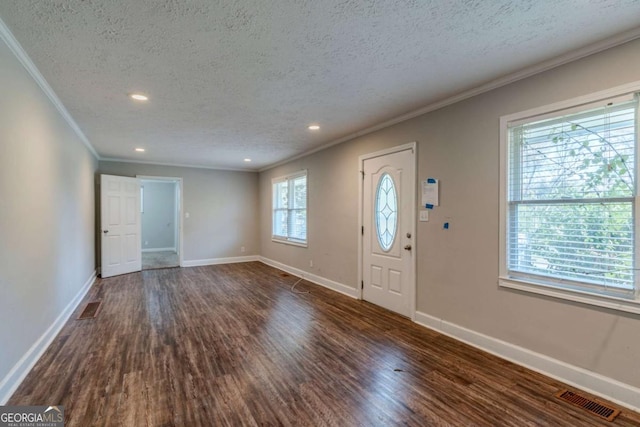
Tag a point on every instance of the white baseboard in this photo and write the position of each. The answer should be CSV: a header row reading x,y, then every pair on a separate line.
x,y
591,382
327,283
214,261
159,250
20,370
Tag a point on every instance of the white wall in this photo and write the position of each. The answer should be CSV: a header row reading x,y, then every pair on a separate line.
x,y
158,216
222,207
458,268
46,218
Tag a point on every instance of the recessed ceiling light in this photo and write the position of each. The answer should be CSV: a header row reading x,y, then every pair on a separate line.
x,y
140,150
314,127
247,160
139,97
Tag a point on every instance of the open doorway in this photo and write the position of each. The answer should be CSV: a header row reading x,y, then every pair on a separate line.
x,y
160,207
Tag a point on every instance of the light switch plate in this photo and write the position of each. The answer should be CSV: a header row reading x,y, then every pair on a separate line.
x,y
424,215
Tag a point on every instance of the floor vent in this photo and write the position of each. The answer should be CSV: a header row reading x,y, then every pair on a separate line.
x,y
596,408
90,310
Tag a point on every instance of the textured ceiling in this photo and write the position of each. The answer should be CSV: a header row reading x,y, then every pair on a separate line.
x,y
241,78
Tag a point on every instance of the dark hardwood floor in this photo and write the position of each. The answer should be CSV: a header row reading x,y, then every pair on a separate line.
x,y
232,345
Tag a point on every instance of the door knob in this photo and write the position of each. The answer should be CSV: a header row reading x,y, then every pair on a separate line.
x,y
407,248
105,231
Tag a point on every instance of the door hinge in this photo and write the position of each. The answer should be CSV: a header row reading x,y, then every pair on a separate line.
x,y
362,172
362,284
362,230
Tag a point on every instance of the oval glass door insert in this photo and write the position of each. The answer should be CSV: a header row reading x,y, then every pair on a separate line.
x,y
386,212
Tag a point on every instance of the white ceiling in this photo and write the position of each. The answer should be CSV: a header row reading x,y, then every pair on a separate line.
x,y
244,78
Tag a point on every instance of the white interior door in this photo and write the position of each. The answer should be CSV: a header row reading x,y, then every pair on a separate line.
x,y
388,233
120,222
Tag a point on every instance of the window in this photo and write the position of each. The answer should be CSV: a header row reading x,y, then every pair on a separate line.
x,y
569,200
290,208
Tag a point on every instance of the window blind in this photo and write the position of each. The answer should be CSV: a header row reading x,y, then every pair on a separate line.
x,y
571,195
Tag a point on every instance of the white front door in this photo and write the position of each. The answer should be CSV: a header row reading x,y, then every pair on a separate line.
x,y
389,228
120,222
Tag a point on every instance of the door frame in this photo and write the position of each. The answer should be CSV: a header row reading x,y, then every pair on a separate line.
x,y
413,146
179,209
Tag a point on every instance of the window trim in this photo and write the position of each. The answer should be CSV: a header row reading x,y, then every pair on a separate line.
x,y
284,239
547,288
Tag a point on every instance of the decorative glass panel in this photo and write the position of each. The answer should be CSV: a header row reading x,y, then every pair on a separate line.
x,y
386,212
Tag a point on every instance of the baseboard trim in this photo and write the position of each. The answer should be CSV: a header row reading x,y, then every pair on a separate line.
x,y
215,261
20,370
615,391
159,250
318,280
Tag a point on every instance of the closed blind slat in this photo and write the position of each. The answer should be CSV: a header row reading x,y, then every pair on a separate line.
x,y
588,157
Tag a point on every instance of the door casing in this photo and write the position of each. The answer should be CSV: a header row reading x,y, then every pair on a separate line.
x,y
179,208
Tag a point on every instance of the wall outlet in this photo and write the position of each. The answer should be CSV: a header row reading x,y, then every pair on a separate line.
x,y
241,248
424,215
186,215
310,263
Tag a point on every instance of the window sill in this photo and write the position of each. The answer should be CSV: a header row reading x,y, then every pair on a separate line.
x,y
289,242
611,302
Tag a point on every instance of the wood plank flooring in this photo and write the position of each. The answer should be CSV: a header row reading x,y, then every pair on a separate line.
x,y
231,345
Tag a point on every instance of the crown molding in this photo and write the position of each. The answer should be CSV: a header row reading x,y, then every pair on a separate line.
x,y
175,165
19,52
571,56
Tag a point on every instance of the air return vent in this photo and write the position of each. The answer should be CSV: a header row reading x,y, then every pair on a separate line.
x,y
90,311
596,408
